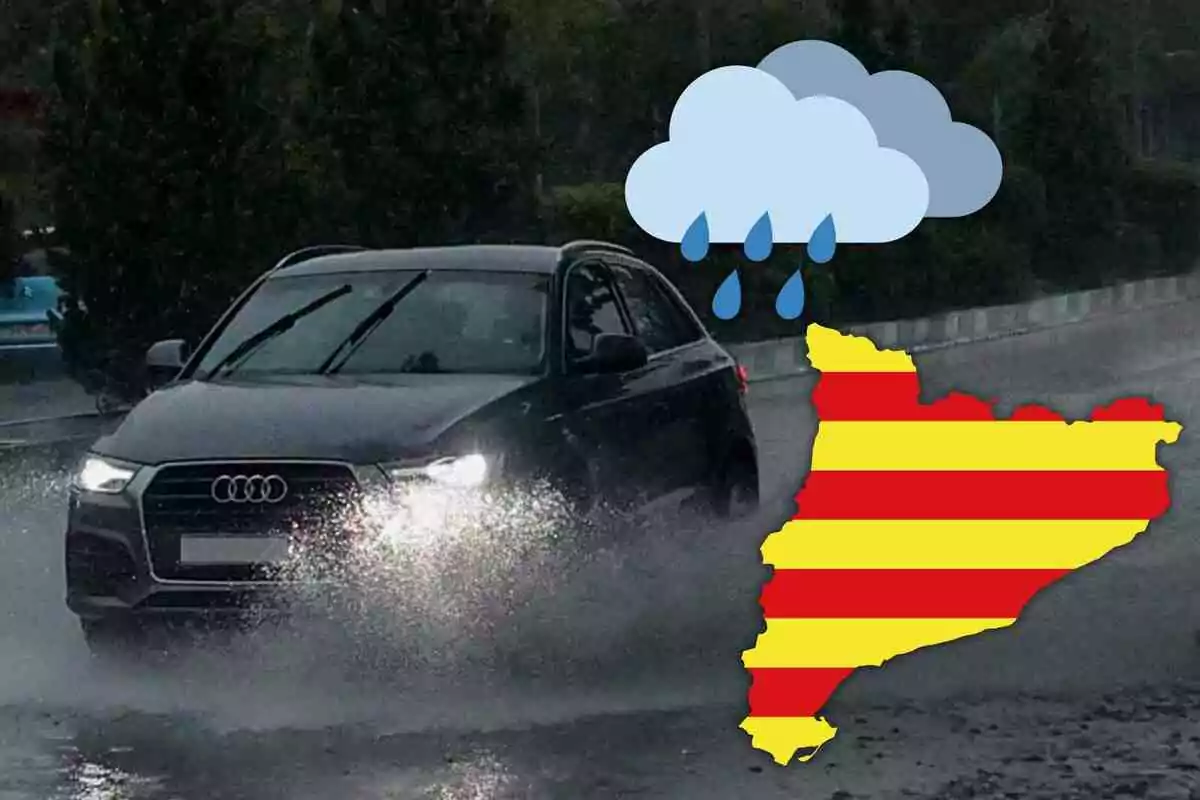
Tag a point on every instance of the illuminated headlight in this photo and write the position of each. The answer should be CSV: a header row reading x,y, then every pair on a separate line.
x,y
465,472
104,475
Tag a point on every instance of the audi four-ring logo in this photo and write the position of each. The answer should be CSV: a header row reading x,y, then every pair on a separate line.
x,y
249,489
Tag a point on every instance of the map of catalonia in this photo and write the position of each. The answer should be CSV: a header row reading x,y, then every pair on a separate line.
x,y
922,523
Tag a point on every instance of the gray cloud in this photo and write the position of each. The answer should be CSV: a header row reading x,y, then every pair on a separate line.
x,y
961,163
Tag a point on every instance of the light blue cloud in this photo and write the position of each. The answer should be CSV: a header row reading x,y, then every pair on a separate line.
x,y
961,163
742,145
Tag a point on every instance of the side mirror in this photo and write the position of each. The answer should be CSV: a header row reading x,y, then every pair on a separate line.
x,y
616,352
164,360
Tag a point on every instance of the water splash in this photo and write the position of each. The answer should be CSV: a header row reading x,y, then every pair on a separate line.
x,y
760,239
727,302
695,241
790,302
823,242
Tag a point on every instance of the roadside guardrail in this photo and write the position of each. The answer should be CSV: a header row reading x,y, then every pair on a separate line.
x,y
787,358
778,359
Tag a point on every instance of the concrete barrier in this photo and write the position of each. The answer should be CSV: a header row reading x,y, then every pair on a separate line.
x,y
786,358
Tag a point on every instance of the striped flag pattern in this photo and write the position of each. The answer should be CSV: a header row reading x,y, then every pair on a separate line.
x,y
922,523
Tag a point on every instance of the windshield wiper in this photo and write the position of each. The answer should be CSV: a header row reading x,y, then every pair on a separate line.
x,y
369,323
284,323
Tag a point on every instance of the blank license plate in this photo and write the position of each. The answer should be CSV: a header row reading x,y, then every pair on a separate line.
x,y
232,550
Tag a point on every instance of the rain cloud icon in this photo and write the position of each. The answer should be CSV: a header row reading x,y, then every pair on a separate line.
x,y
808,147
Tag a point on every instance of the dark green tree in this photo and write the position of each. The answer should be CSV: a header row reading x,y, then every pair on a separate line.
x,y
421,125
1070,137
954,31
167,175
858,30
10,243
899,40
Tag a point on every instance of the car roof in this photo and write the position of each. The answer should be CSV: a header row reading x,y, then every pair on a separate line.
x,y
541,259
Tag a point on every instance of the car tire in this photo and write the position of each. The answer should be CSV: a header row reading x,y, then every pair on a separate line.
x,y
734,494
578,493
584,511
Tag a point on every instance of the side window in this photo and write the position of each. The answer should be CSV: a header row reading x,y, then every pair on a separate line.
x,y
659,322
591,309
682,315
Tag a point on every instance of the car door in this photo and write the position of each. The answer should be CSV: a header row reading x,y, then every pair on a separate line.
x,y
606,417
679,368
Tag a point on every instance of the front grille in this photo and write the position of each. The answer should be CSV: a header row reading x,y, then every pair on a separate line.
x,y
179,501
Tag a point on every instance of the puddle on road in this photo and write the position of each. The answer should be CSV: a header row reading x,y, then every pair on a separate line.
x,y
659,624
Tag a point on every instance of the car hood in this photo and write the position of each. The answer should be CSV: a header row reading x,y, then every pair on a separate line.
x,y
337,418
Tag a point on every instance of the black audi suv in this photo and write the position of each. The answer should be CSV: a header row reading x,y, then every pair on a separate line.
x,y
344,371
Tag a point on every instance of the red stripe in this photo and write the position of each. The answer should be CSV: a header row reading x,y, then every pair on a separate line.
x,y
793,692
903,593
1130,409
983,495
896,396
889,396
1035,413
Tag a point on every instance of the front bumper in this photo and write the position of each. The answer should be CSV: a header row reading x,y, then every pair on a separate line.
x,y
111,568
108,570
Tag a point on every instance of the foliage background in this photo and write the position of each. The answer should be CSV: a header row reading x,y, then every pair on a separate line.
x,y
181,148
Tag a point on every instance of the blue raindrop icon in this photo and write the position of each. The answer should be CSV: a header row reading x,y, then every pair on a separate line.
x,y
760,239
790,302
727,302
823,242
695,241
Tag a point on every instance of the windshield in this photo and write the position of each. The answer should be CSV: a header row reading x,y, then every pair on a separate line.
x,y
453,322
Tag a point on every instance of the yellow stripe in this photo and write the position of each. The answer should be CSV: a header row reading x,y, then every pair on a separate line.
x,y
945,543
831,351
1003,445
783,736
831,643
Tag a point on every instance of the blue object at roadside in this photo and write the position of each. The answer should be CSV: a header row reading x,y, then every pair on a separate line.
x,y
25,304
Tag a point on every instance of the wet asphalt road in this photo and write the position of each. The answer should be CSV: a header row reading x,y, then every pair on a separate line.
x,y
614,677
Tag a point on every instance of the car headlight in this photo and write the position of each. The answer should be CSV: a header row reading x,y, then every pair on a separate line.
x,y
467,471
104,475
